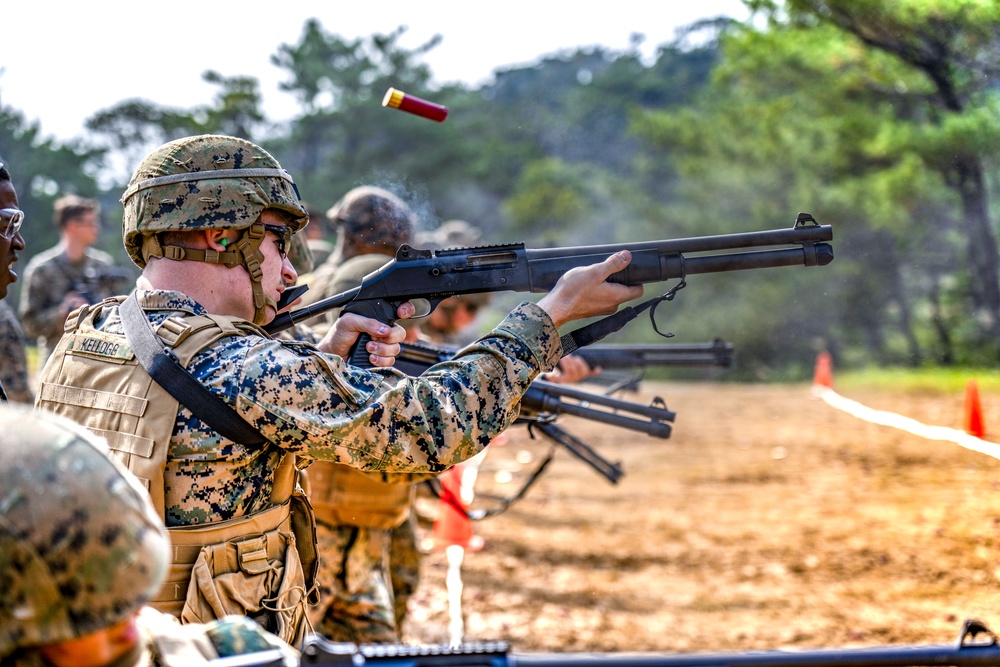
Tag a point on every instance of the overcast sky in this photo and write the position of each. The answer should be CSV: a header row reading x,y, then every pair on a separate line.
x,y
60,62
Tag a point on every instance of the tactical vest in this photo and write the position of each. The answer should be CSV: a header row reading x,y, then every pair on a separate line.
x,y
342,495
261,565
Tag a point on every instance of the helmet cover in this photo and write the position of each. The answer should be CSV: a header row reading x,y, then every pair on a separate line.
x,y
81,546
205,182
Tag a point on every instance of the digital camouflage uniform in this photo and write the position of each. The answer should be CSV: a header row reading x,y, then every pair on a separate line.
x,y
404,563
14,365
49,277
311,404
81,550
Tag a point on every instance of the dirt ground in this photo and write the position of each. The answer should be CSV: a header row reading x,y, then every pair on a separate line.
x,y
768,519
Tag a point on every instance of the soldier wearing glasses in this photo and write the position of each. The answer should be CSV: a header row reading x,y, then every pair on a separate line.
x,y
11,242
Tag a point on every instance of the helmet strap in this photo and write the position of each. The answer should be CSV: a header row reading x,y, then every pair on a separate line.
x,y
245,251
248,247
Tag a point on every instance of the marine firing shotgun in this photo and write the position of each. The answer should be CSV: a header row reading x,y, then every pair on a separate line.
x,y
427,277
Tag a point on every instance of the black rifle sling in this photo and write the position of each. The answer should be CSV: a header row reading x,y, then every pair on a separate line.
x,y
163,366
595,331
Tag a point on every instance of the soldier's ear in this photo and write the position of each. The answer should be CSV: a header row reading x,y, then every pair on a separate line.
x,y
216,239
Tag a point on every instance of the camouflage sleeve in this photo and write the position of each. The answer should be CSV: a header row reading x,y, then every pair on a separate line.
x,y
316,406
14,369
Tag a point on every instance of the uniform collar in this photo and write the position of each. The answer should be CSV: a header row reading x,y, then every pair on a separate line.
x,y
168,300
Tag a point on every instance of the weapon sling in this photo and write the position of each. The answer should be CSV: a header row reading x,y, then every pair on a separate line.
x,y
164,367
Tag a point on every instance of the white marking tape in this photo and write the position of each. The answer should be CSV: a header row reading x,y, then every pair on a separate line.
x,y
854,408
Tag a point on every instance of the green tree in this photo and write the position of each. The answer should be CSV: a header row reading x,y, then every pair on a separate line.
x,y
805,113
952,124
343,137
129,130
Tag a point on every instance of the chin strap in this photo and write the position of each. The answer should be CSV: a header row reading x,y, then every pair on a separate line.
x,y
244,252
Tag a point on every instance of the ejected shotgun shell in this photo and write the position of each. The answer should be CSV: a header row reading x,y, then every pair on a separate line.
x,y
397,99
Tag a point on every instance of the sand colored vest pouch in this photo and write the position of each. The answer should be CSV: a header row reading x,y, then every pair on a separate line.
x,y
137,416
342,495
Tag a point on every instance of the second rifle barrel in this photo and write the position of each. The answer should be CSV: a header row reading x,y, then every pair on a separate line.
x,y
536,399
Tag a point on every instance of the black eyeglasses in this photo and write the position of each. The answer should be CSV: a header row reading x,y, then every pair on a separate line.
x,y
10,222
284,235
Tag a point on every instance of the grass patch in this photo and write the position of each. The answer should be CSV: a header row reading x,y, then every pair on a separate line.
x,y
929,380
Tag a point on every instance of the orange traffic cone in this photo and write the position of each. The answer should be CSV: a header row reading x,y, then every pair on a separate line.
x,y
823,375
973,419
453,527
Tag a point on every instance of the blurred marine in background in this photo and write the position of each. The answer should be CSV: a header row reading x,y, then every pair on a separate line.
x,y
71,274
14,377
355,510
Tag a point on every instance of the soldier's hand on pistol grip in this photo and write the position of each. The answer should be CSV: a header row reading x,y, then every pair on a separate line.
x,y
384,345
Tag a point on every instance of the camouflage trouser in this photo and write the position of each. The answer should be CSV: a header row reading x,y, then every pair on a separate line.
x,y
404,566
356,601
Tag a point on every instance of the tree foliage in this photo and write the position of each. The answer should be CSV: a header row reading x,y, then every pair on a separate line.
x,y
873,115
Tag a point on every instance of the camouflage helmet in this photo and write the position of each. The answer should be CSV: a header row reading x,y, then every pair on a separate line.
x,y
208,182
81,546
456,234
373,216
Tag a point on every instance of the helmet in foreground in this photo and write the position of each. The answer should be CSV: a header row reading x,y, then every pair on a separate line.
x,y
81,546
